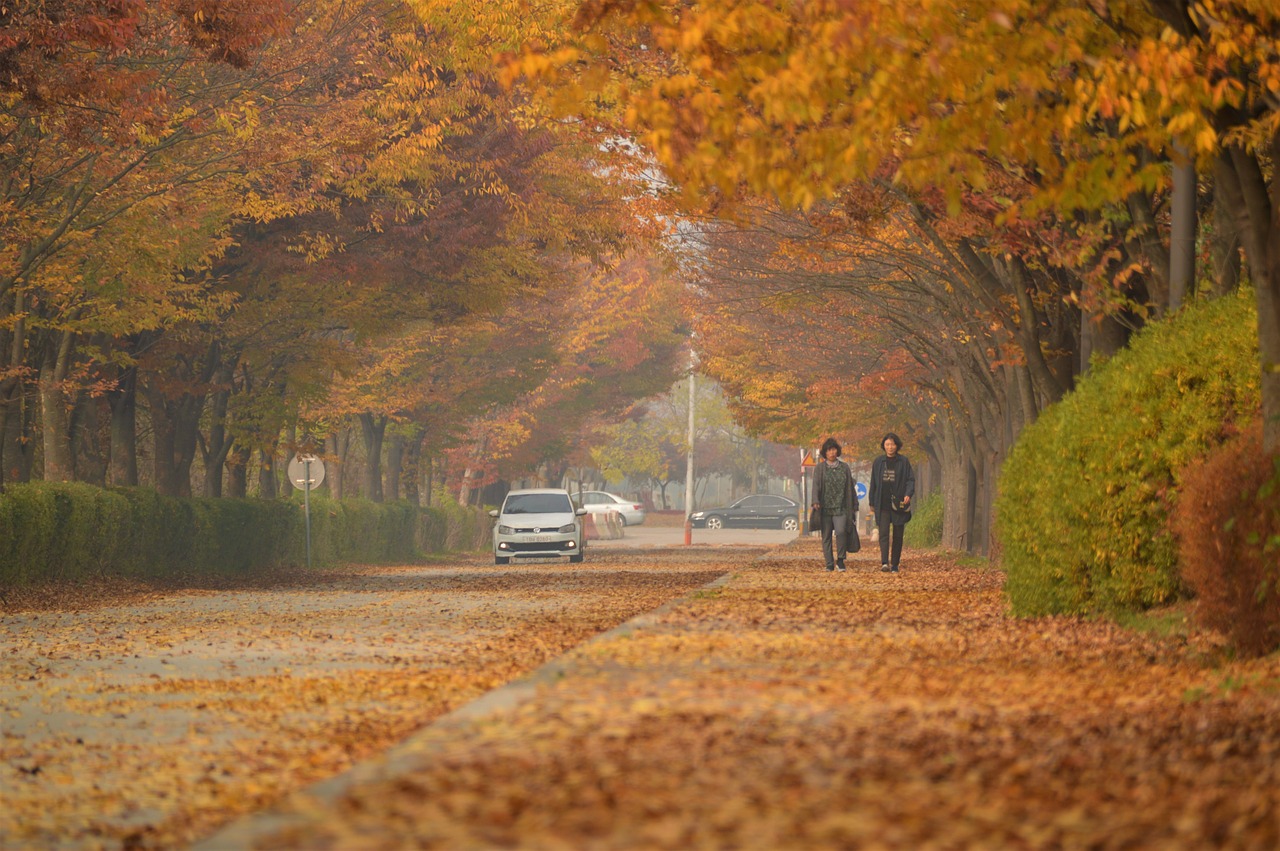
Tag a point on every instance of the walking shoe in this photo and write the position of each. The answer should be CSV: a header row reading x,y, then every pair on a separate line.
x,y
893,569
884,568
840,565
831,567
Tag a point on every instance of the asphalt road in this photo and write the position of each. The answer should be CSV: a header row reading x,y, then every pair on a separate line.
x,y
645,535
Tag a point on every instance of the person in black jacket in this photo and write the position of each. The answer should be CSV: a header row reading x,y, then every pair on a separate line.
x,y
893,484
834,496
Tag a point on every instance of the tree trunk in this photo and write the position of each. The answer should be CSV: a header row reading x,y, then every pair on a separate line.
x,y
427,467
335,447
175,420
1267,288
237,466
395,467
186,436
1182,237
1143,241
218,443
174,425
957,496
89,459
1028,334
412,474
1224,250
465,489
1101,335
18,437
1260,229
162,442
373,429
268,485
54,420
123,400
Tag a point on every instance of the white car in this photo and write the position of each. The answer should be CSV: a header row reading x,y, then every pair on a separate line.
x,y
632,513
537,523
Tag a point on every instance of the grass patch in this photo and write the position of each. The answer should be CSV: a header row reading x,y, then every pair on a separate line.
x,y
1163,622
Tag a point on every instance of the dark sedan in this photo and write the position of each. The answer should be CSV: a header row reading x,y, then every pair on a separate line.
x,y
759,511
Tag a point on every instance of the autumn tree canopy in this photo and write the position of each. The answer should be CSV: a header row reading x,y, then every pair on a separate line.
x,y
237,227
1019,159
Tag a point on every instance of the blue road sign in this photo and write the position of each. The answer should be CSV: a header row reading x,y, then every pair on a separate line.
x,y
861,490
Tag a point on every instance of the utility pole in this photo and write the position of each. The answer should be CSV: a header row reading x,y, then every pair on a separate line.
x,y
688,472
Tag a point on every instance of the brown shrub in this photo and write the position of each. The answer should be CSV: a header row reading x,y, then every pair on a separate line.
x,y
1227,522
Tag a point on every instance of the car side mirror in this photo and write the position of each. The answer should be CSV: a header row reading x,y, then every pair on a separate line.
x,y
493,512
580,512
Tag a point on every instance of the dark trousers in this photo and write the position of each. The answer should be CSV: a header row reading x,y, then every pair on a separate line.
x,y
834,526
884,522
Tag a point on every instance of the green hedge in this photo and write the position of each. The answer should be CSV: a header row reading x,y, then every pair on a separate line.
x,y
1082,514
67,531
925,528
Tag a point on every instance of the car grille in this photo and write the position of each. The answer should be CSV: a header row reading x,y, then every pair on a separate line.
x,y
540,546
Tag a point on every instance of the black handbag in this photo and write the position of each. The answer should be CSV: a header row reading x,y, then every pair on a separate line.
x,y
898,505
854,543
815,519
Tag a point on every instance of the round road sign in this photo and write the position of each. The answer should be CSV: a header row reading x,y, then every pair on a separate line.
x,y
306,472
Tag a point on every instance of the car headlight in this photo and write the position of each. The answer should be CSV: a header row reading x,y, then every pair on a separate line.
x,y
569,528
506,530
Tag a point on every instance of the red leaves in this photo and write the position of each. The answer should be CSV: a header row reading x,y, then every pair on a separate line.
x,y
231,29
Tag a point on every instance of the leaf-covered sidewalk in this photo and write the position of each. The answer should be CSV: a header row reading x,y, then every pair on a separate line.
x,y
134,717
790,707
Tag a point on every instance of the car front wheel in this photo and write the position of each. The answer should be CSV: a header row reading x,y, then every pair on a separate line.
x,y
790,524
714,522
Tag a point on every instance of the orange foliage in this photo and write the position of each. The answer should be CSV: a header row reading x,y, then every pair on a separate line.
x,y
1228,526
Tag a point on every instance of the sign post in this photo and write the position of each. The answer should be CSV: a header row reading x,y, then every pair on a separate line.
x,y
807,462
306,472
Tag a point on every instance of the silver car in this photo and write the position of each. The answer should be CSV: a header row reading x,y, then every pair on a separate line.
x,y
537,523
632,513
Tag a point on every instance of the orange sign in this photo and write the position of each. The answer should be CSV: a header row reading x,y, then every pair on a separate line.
x,y
809,460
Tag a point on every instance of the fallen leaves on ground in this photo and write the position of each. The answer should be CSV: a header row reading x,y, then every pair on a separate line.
x,y
140,717
793,708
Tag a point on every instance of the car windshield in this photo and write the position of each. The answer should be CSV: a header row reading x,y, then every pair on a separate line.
x,y
537,503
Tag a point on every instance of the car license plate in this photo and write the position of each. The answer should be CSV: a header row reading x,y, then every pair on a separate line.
x,y
537,539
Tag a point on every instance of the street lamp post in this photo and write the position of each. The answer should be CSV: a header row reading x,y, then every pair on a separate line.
x,y
688,473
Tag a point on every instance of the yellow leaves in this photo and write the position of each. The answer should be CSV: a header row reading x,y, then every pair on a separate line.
x,y
1206,141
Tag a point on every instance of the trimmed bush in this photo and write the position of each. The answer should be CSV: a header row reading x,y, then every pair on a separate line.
x,y
65,532
1227,523
154,543
1082,514
448,527
60,531
925,528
